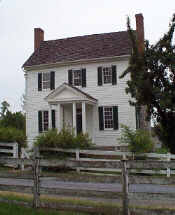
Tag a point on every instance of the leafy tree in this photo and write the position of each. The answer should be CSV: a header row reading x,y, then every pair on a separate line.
x,y
14,120
9,119
153,81
4,108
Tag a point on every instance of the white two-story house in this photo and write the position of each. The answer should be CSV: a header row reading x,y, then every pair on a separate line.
x,y
75,82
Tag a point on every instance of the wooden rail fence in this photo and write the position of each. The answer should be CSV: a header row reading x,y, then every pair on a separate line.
x,y
124,165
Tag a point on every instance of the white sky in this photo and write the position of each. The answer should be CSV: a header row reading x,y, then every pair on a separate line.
x,y
66,18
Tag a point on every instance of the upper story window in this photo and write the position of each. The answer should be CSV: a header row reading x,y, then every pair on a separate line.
x,y
46,80
107,75
77,77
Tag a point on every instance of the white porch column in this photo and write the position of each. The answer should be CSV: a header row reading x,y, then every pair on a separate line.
x,y
50,117
74,118
58,117
83,117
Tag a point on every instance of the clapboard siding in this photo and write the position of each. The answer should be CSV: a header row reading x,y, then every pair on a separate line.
x,y
106,95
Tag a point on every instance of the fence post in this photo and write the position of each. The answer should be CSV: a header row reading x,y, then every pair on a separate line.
x,y
15,150
22,156
77,158
125,187
36,185
168,171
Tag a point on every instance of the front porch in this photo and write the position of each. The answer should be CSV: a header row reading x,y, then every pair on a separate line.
x,y
73,109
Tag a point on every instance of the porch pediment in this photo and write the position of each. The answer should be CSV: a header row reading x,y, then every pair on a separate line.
x,y
68,93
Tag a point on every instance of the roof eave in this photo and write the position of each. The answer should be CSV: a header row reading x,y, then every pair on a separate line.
x,y
67,63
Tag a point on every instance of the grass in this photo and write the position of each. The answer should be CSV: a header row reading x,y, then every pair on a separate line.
x,y
62,201
6,195
13,209
53,199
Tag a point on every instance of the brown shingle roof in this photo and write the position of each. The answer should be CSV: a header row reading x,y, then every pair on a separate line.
x,y
81,48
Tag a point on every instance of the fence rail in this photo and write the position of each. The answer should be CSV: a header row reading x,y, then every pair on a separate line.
x,y
9,148
80,156
72,163
111,153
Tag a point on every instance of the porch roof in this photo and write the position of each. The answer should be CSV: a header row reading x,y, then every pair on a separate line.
x,y
66,93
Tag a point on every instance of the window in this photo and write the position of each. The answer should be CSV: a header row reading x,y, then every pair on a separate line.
x,y
46,80
108,117
137,113
43,120
107,75
77,77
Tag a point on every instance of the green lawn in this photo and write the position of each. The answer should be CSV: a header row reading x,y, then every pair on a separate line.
x,y
12,209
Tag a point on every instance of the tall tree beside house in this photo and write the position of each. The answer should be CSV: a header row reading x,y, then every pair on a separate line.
x,y
153,81
4,108
11,119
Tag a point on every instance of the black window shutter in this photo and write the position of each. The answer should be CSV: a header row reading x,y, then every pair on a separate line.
x,y
101,120
39,81
83,77
99,76
70,77
40,127
53,118
115,117
52,80
114,75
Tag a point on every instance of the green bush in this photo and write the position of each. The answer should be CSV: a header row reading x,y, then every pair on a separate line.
x,y
13,135
162,150
139,141
83,141
47,139
65,139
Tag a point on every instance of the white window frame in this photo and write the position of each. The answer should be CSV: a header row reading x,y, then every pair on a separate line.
x,y
105,120
103,74
46,81
73,77
43,122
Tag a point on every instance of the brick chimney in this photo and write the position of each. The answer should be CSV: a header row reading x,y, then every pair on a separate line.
x,y
38,37
140,31
144,124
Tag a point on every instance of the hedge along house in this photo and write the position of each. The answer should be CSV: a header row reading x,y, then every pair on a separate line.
x,y
75,82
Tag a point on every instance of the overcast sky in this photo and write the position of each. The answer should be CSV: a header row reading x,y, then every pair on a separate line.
x,y
66,18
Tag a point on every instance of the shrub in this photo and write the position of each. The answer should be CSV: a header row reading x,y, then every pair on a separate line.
x,y
47,139
83,141
65,139
162,150
13,135
139,141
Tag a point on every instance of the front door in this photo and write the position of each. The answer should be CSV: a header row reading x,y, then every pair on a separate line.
x,y
79,120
